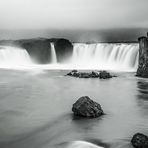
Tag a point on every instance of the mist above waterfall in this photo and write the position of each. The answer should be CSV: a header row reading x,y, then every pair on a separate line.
x,y
81,36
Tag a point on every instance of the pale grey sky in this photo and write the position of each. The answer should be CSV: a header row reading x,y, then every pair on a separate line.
x,y
73,14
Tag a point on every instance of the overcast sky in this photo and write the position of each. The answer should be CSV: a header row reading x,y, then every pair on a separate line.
x,y
73,14
80,19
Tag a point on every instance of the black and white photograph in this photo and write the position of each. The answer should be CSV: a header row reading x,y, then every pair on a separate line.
x,y
73,73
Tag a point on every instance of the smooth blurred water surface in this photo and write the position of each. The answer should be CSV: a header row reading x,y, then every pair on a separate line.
x,y
35,110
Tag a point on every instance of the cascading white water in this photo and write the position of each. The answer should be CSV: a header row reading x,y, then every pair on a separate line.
x,y
120,57
53,54
105,56
12,56
18,58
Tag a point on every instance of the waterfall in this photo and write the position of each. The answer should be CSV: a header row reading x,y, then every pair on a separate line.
x,y
53,54
99,56
13,56
105,56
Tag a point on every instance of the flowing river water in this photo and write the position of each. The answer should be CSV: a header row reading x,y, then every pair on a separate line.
x,y
35,110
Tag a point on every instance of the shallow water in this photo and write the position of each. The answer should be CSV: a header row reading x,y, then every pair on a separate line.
x,y
35,110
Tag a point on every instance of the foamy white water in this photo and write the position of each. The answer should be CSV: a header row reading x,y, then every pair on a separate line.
x,y
11,57
83,144
106,56
100,56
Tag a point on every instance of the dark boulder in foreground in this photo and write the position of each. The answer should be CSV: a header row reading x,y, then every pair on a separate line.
x,y
140,141
86,107
63,48
142,70
93,74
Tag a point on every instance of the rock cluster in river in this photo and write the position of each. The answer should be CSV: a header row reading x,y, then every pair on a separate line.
x,y
140,141
86,107
93,74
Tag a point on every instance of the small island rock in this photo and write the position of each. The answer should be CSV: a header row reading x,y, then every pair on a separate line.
x,y
86,107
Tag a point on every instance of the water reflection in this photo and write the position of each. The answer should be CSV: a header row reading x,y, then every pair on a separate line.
x,y
38,114
143,90
86,125
142,96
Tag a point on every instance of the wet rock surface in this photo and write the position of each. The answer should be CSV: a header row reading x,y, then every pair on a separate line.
x,y
142,70
63,48
38,49
85,107
93,74
105,75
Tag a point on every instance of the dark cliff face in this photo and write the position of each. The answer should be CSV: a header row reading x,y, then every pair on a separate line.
x,y
38,49
63,48
142,70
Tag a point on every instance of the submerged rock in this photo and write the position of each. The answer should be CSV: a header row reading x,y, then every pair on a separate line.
x,y
93,74
140,141
86,107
